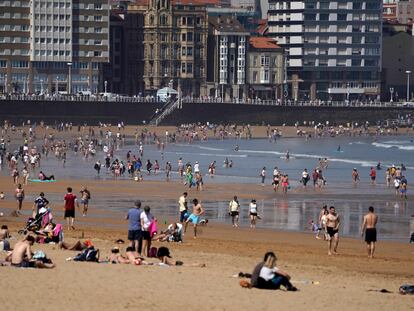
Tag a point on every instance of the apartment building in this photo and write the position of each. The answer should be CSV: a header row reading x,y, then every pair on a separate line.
x,y
53,45
405,11
265,69
333,48
389,9
175,43
227,58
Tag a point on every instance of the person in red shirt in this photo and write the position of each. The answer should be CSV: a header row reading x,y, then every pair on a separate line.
x,y
373,175
70,201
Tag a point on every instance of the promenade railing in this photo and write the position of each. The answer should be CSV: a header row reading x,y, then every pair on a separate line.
x,y
198,100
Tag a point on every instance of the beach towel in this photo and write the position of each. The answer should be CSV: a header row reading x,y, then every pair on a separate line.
x,y
153,228
39,180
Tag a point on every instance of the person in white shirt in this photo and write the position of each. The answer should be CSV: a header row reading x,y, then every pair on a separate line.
x,y
234,209
146,219
305,177
263,175
196,167
253,213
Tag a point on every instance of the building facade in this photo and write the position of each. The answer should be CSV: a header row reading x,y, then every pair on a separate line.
x,y
48,46
265,69
405,12
398,58
390,10
227,58
175,42
333,48
124,72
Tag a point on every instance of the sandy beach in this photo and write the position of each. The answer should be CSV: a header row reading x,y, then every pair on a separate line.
x,y
349,281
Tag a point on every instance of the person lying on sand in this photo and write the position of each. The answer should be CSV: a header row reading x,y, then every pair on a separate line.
x,y
116,257
163,254
21,256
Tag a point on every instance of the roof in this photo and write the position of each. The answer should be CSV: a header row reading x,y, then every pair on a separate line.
x,y
263,27
226,23
263,43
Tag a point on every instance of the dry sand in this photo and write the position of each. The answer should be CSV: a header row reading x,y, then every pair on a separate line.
x,y
345,281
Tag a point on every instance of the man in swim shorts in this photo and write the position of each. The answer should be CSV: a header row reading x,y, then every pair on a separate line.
x,y
21,256
195,216
234,208
369,226
332,229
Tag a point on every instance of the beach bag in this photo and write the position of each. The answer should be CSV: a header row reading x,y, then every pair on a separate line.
x,y
152,252
407,289
89,254
153,230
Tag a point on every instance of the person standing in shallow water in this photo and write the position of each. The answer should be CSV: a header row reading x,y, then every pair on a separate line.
x,y
369,227
263,175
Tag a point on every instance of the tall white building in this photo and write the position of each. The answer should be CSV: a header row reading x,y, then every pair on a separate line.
x,y
333,48
51,45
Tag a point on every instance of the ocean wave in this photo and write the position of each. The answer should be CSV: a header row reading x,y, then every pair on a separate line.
x,y
200,147
208,154
315,156
398,146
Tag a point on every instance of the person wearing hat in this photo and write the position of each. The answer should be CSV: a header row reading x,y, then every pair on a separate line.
x,y
163,254
134,227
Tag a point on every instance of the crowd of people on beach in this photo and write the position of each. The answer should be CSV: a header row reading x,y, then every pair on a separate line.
x,y
143,231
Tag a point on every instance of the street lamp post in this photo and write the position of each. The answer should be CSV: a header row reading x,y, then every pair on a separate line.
x,y
69,78
392,92
106,86
347,92
408,72
57,86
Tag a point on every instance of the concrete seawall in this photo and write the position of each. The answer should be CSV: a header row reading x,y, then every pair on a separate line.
x,y
77,111
277,115
135,113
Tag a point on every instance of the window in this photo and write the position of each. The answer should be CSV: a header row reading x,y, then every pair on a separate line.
x,y
189,36
98,30
189,67
3,63
182,67
97,53
264,60
98,6
189,51
97,18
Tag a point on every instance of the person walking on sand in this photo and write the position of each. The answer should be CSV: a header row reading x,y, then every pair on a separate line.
x,y
263,175
85,197
234,210
182,202
369,227
69,209
332,230
198,211
19,195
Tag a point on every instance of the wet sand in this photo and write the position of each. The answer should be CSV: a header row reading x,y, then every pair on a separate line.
x,y
344,281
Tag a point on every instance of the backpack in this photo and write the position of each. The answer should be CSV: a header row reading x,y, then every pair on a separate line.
x,y
152,252
90,254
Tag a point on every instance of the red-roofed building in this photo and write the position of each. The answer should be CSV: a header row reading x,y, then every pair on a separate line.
x,y
266,66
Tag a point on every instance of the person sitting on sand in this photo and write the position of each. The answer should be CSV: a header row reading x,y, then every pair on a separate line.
x,y
43,177
163,254
21,256
4,236
267,276
172,234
